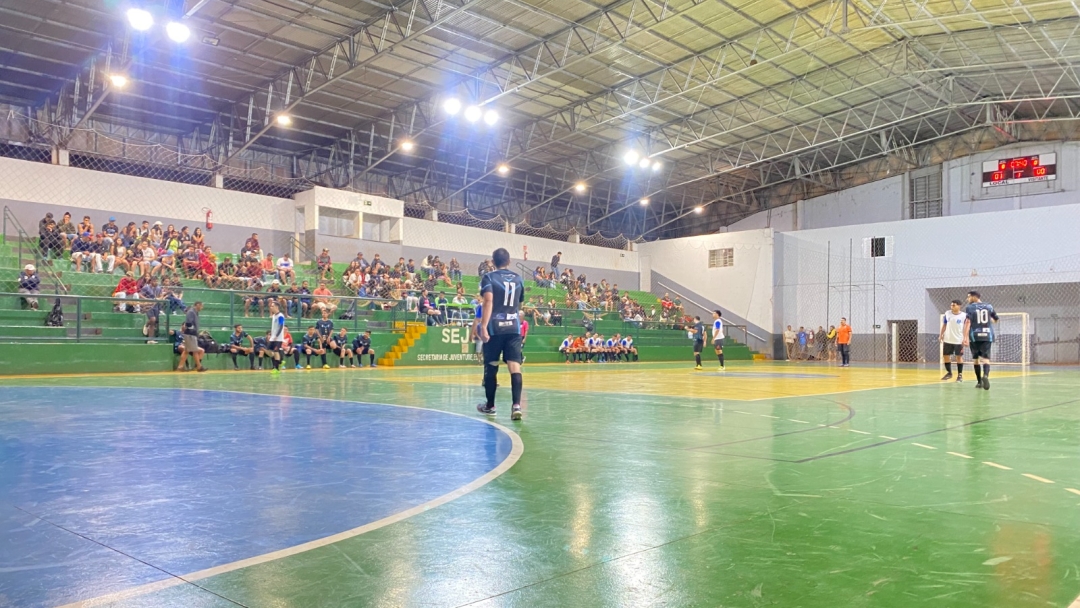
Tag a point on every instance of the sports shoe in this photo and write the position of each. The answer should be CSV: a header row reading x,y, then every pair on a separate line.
x,y
986,383
326,366
275,371
235,368
341,366
947,376
308,366
373,366
722,368
203,369
299,367
978,382
698,367
959,377
484,409
515,412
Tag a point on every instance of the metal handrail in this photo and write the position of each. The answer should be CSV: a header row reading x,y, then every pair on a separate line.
x,y
683,297
79,316
44,266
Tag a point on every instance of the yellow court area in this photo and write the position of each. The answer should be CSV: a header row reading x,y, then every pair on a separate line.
x,y
739,382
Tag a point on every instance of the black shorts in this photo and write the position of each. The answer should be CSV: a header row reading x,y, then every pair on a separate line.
x,y
364,350
718,344
981,350
274,346
506,346
952,349
699,345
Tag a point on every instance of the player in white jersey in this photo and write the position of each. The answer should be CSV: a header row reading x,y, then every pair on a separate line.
x,y
951,337
277,335
567,347
629,348
718,337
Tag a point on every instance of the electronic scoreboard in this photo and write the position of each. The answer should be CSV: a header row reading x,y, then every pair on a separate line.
x,y
1019,170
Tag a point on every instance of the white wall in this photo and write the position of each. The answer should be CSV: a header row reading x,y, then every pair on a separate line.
x,y
745,289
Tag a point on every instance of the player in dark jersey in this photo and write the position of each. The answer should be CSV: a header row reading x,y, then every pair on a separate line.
x,y
698,334
500,330
312,344
237,347
362,346
979,335
325,327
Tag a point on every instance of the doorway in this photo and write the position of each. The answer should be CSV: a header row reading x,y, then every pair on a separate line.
x,y
903,340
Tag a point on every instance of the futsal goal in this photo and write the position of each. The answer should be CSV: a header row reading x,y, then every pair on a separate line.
x,y
1012,341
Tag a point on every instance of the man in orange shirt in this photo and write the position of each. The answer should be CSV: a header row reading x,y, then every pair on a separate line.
x,y
843,342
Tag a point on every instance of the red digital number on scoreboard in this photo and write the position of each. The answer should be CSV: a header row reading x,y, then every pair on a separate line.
x,y
998,176
1040,171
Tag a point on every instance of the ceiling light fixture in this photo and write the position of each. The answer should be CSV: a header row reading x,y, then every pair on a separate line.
x,y
452,106
178,32
407,146
503,169
284,120
473,113
698,209
118,80
491,117
656,165
644,164
644,202
580,187
140,19
631,157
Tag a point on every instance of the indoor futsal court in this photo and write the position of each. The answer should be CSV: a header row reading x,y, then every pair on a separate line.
x,y
650,485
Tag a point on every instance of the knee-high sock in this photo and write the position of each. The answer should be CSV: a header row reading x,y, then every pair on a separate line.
x,y
323,357
978,371
296,357
697,358
251,359
234,360
371,358
491,373
721,358
515,387
959,367
948,367
986,370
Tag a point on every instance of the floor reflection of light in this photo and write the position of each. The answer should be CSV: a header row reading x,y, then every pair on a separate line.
x,y
581,527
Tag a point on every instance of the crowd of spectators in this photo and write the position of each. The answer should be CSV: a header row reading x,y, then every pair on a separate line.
x,y
808,344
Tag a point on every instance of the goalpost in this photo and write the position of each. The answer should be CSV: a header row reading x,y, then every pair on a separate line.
x,y
1012,342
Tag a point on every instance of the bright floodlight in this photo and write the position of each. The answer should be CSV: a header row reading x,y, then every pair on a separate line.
x,y
644,202
118,80
139,19
503,169
644,164
656,165
284,120
472,113
631,157
491,117
178,32
698,209
580,187
407,145
452,106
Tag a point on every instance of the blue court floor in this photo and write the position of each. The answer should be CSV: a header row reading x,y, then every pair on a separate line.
x,y
102,489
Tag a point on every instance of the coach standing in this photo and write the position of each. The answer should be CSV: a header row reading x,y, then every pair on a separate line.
x,y
555,259
191,338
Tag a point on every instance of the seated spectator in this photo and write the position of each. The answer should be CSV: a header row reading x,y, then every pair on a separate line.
x,y
377,265
485,267
190,260
360,261
143,231
305,303
151,265
51,241
184,237
45,220
168,263
197,238
123,258
292,301
254,300
251,247
268,267
426,266
85,225
67,229
323,301
427,307
274,294
83,252
29,284
226,275
150,291
324,265
105,258
286,272
455,270
157,235
110,231
207,266
411,268
126,289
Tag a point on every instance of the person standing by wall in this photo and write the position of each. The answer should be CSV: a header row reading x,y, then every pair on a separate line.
x,y
191,339
555,259
789,342
843,342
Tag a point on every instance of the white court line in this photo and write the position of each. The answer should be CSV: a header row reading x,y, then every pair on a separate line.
x,y
960,455
929,447
887,437
1075,604
998,466
859,432
742,412
1036,478
1073,491
516,450
768,416
799,421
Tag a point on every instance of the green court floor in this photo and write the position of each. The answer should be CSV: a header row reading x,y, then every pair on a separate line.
x,y
654,485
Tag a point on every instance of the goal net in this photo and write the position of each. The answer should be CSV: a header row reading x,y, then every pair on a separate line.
x,y
1012,341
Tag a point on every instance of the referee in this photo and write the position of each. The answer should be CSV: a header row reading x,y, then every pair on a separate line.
x,y
499,328
191,339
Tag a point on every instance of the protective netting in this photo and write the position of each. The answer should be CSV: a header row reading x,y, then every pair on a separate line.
x,y
169,158
895,308
464,218
544,232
